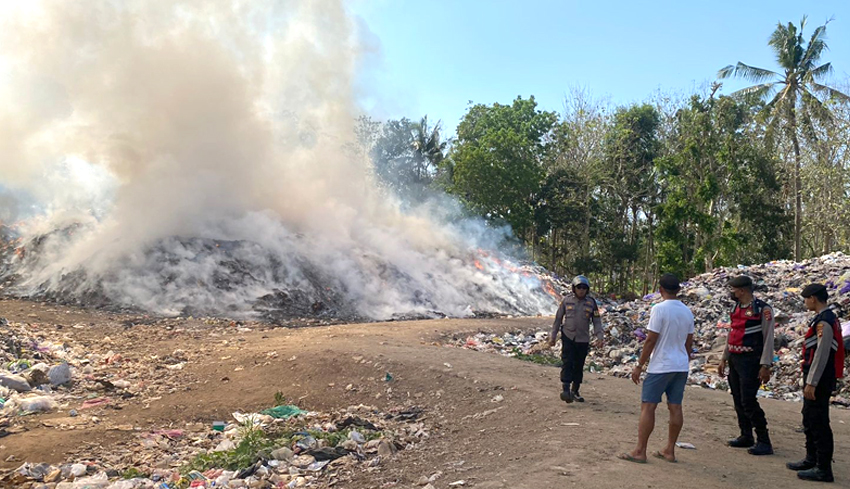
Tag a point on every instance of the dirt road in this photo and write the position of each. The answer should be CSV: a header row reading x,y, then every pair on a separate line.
x,y
495,422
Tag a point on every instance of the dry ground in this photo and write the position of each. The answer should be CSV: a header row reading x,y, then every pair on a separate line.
x,y
529,441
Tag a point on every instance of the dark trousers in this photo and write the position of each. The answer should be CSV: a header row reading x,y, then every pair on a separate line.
x,y
744,383
572,357
819,444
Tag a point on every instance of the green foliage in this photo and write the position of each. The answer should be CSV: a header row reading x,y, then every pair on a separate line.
x,y
796,99
538,358
279,399
407,156
719,183
133,473
253,441
497,161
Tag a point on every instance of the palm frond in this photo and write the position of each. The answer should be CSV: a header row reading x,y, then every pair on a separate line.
x,y
781,98
821,71
812,105
747,72
830,92
760,91
808,114
813,54
787,45
726,72
779,36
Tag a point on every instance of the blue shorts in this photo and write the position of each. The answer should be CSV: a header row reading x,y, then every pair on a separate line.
x,y
672,384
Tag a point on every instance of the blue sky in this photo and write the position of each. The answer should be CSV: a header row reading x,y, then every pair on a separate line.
x,y
437,55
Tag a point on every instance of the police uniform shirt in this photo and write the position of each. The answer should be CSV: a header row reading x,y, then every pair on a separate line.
x,y
574,317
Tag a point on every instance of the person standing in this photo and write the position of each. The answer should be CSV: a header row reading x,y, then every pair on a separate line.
x,y
667,349
573,319
749,354
823,364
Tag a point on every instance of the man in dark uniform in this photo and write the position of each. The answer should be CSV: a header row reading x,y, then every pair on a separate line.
x,y
749,352
823,364
573,319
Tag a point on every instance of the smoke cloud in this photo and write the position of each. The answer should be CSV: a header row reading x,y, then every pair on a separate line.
x,y
203,151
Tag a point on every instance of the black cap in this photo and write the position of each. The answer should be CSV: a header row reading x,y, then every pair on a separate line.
x,y
741,281
670,282
813,289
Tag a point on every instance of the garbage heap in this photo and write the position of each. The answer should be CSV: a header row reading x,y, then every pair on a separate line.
x,y
43,369
282,447
779,283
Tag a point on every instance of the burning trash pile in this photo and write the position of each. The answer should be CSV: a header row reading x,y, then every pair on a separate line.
x,y
279,283
778,283
282,447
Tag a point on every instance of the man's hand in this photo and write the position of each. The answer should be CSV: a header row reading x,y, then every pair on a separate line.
x,y
598,344
636,374
721,369
764,374
552,340
809,392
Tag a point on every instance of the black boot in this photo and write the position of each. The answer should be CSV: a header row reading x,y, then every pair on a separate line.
x,y
567,396
761,448
804,464
742,441
816,474
763,445
575,393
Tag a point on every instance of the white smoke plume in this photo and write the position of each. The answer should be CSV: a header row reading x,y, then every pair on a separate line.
x,y
203,152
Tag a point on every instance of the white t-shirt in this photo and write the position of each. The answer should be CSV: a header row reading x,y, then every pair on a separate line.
x,y
673,322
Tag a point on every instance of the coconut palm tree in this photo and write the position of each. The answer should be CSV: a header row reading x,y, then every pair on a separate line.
x,y
428,146
794,94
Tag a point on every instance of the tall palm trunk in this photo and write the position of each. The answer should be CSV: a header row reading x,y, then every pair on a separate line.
x,y
798,187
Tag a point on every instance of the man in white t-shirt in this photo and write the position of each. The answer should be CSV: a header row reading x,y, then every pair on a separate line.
x,y
667,348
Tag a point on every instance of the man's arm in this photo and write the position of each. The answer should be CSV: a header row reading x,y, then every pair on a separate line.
x,y
768,323
825,338
689,344
597,322
648,346
556,326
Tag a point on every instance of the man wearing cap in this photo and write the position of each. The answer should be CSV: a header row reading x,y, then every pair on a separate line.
x,y
749,353
668,350
823,364
573,319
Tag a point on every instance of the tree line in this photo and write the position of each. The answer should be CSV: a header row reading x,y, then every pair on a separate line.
x,y
681,184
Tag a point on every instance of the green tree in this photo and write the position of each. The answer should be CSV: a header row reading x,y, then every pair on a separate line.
x,y
406,156
718,185
792,93
497,160
631,146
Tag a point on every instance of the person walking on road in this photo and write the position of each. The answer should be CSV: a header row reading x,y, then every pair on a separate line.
x,y
575,314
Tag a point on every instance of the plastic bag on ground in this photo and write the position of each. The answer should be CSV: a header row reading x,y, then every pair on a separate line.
x,y
40,404
285,411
